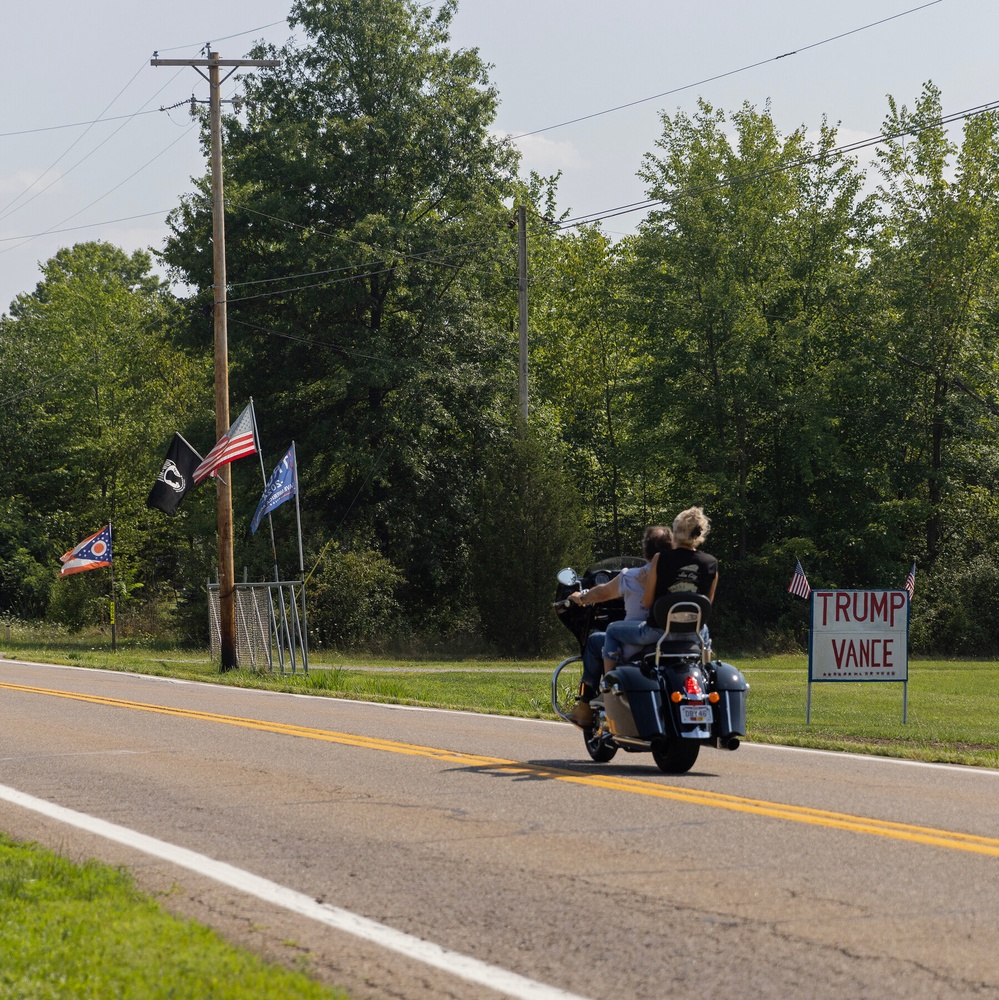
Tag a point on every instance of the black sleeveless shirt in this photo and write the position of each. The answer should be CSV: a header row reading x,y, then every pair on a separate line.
x,y
684,571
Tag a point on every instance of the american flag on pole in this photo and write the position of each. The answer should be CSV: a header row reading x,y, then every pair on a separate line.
x,y
910,581
799,582
91,553
237,442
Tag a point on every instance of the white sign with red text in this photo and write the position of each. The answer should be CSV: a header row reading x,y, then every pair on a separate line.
x,y
859,635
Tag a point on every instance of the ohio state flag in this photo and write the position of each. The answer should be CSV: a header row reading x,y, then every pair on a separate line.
x,y
91,553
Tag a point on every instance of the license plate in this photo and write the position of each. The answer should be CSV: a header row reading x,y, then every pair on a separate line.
x,y
696,715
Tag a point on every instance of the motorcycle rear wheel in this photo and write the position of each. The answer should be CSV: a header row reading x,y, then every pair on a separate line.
x,y
598,750
675,756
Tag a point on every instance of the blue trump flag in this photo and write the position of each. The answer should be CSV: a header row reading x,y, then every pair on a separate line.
x,y
280,487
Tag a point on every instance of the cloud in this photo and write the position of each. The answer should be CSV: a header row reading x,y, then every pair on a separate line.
x,y
27,182
546,156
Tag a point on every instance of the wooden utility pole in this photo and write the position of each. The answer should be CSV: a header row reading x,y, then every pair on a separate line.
x,y
522,305
227,574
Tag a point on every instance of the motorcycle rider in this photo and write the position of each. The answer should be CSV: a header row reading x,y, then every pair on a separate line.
x,y
629,585
680,569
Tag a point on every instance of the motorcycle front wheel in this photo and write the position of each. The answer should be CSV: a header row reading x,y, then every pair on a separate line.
x,y
675,756
598,750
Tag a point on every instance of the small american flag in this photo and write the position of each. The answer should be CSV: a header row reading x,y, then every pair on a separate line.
x,y
910,581
237,442
799,582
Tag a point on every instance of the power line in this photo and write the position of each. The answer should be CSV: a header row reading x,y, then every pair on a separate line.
x,y
6,214
838,151
102,197
731,72
114,118
225,38
89,225
71,145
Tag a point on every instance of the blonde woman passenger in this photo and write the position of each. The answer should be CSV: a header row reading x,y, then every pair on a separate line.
x,y
681,569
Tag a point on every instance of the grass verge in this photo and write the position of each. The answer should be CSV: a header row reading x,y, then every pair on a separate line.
x,y
84,931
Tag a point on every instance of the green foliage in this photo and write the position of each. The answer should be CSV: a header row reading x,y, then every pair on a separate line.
x,y
530,524
91,393
370,258
352,598
812,364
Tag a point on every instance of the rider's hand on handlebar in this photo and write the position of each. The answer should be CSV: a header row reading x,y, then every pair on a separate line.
x,y
577,597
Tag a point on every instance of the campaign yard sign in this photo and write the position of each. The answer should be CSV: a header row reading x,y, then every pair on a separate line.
x,y
859,635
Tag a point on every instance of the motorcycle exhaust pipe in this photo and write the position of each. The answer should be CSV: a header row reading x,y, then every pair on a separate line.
x,y
728,742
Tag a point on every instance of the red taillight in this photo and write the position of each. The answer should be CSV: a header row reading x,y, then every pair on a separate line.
x,y
692,686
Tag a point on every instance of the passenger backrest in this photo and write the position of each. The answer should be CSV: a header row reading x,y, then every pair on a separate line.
x,y
681,615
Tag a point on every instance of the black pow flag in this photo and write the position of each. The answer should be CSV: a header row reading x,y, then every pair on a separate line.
x,y
176,476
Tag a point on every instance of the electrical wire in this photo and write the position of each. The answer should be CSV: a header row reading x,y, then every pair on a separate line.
x,y
90,225
839,151
722,76
6,214
102,197
3,209
225,38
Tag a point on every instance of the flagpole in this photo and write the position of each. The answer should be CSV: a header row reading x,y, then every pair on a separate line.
x,y
263,477
114,627
277,571
301,558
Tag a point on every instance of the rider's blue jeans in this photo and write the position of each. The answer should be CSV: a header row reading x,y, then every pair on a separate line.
x,y
629,632
593,661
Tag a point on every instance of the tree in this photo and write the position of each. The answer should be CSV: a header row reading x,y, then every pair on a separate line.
x,y
936,263
530,525
91,394
744,285
585,360
372,275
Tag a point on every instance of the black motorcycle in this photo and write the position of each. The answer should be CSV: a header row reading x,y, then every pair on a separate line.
x,y
669,700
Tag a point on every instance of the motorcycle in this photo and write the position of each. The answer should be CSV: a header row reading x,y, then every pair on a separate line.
x,y
669,700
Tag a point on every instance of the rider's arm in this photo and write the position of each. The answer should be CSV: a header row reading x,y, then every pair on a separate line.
x,y
650,583
601,592
711,592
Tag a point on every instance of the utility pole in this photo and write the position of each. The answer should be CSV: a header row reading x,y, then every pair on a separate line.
x,y
227,573
522,305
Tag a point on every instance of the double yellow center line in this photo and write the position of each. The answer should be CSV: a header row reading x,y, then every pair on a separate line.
x,y
690,796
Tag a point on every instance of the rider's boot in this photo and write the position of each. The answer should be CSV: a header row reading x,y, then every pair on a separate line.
x,y
582,714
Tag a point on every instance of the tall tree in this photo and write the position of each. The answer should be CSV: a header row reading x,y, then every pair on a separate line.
x,y
584,360
744,286
91,393
936,264
372,273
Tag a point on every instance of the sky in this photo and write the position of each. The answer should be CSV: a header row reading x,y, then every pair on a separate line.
x,y
87,154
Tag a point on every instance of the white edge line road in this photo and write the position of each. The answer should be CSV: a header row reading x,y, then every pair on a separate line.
x,y
496,978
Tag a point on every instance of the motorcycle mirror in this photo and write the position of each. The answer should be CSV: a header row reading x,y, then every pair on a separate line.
x,y
567,577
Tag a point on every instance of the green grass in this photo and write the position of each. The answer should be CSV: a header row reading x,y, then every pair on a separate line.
x,y
953,705
84,931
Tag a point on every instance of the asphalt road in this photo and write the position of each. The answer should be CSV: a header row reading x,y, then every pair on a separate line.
x,y
768,872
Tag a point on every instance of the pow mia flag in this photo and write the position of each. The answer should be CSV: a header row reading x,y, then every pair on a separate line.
x,y
176,476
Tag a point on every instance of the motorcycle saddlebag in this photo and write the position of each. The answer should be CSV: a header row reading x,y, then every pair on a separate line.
x,y
632,703
730,711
